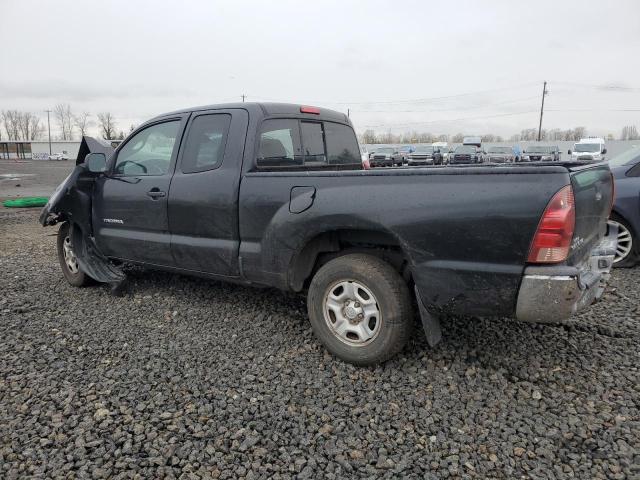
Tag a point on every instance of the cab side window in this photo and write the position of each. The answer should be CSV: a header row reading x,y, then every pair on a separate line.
x,y
206,142
149,151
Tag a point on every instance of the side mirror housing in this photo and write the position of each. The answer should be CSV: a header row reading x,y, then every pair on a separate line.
x,y
569,152
604,150
96,162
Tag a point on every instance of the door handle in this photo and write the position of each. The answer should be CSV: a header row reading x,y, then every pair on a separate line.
x,y
154,193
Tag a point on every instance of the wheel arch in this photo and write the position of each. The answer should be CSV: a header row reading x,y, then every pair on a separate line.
x,y
330,244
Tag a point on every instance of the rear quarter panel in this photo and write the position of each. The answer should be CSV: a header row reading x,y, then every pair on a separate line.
x,y
466,232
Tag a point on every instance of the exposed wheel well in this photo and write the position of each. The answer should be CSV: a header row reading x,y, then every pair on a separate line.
x,y
329,245
617,214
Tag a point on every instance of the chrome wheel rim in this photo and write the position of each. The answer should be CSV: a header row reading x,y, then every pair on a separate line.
x,y
625,242
69,257
352,313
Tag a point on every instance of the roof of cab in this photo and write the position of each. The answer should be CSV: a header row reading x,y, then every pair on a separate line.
x,y
267,109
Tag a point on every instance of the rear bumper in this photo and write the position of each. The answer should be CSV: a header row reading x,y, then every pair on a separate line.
x,y
552,294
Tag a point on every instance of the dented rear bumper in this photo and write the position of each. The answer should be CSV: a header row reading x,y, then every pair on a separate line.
x,y
551,294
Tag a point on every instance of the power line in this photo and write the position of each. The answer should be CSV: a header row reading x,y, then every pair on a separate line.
x,y
450,120
603,87
595,110
414,100
473,107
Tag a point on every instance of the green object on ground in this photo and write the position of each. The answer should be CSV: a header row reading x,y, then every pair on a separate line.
x,y
26,202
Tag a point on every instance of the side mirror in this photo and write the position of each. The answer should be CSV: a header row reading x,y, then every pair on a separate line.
x,y
604,150
569,152
96,162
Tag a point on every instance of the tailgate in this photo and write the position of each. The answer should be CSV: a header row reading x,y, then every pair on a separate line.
x,y
593,193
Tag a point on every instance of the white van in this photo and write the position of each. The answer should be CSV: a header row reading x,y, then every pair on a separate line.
x,y
589,149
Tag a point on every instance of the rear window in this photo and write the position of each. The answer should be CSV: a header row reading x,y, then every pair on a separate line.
x,y
313,144
342,146
290,143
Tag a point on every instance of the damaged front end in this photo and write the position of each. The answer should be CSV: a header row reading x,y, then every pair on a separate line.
x,y
72,203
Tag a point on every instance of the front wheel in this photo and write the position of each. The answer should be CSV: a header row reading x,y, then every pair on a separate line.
x,y
360,309
68,260
627,249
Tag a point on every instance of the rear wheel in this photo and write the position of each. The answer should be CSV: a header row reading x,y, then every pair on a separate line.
x,y
627,250
69,261
360,309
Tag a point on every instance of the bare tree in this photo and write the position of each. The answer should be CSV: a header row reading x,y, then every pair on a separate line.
x,y
630,132
457,138
107,125
11,120
64,117
579,132
29,126
82,122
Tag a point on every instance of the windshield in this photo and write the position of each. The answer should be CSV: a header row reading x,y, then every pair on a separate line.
x,y
499,150
465,149
424,150
629,157
405,149
384,150
539,149
587,147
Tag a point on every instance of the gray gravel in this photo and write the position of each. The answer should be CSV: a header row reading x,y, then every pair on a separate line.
x,y
185,378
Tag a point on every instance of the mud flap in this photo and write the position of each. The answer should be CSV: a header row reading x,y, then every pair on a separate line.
x,y
430,323
91,261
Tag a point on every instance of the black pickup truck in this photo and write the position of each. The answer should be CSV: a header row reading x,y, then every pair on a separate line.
x,y
275,195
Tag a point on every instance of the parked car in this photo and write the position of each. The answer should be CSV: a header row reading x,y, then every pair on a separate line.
x,y
275,195
465,154
386,157
405,151
541,153
425,155
500,154
477,141
626,208
444,149
591,149
58,156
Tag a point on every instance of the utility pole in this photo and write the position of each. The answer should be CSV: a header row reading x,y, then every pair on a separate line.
x,y
49,127
243,95
348,112
544,93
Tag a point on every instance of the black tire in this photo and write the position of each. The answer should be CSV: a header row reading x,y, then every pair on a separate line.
x,y
390,295
77,278
632,257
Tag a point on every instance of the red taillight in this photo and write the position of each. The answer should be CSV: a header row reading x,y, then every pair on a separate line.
x,y
553,237
314,110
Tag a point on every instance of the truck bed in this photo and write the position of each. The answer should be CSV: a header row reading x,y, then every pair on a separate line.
x,y
466,231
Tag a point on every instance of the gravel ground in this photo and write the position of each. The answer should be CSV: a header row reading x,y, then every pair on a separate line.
x,y
186,378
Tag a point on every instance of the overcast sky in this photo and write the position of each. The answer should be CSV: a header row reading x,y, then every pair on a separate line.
x,y
443,67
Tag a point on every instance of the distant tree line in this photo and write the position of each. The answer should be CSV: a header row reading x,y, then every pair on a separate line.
x,y
371,137
19,125
529,134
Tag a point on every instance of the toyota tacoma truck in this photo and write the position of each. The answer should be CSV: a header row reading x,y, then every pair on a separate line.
x,y
275,195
